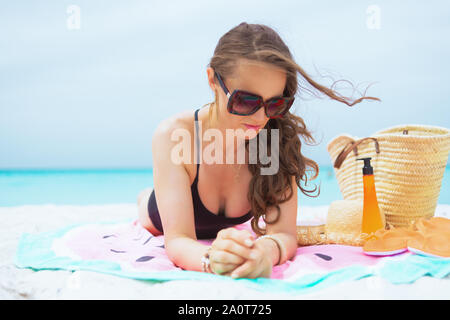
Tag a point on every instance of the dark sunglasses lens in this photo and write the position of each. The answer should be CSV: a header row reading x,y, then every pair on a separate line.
x,y
243,103
277,107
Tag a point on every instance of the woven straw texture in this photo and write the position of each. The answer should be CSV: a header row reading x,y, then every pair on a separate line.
x,y
408,162
311,235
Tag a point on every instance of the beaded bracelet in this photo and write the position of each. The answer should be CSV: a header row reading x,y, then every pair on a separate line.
x,y
280,246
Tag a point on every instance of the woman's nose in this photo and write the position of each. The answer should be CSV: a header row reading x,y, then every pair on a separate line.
x,y
260,116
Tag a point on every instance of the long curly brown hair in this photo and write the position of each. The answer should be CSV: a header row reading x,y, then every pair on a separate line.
x,y
261,43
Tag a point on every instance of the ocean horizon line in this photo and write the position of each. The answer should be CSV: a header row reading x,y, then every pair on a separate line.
x,y
86,169
101,169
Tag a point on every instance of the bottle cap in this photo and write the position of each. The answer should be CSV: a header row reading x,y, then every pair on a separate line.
x,y
367,169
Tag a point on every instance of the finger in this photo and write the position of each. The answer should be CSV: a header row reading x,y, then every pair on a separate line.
x,y
231,246
243,237
243,270
251,267
221,256
223,268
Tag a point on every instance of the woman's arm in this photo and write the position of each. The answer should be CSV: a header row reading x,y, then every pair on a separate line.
x,y
173,194
285,230
174,198
186,253
286,227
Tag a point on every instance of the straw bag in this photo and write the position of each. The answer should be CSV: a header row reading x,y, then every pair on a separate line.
x,y
408,162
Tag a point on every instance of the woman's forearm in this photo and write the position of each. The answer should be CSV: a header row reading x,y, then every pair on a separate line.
x,y
186,253
290,245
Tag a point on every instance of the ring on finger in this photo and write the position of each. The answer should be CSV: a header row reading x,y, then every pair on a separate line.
x,y
216,271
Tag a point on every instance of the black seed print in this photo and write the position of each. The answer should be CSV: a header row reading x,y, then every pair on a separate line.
x,y
161,246
323,256
144,258
117,251
147,240
110,235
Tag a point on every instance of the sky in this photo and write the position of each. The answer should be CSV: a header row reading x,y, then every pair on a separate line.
x,y
83,84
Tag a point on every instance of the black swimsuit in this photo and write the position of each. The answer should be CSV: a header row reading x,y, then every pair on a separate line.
x,y
207,224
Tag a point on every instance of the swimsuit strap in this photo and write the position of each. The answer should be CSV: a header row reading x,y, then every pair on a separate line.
x,y
196,136
221,213
197,143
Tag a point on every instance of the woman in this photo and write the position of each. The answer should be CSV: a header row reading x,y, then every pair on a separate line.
x,y
254,78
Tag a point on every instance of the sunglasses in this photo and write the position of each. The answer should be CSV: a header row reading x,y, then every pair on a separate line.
x,y
244,103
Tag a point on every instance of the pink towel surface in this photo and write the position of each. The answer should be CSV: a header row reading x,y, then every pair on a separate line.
x,y
136,249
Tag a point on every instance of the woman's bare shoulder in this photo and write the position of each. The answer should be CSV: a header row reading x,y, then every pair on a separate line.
x,y
164,139
181,120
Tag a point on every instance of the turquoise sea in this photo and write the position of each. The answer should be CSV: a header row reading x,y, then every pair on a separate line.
x,y
107,186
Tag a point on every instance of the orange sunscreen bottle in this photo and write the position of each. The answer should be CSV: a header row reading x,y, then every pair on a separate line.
x,y
372,220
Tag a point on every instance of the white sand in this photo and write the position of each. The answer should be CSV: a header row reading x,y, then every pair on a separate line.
x,y
18,283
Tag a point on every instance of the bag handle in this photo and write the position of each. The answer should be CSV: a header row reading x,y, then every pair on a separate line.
x,y
353,145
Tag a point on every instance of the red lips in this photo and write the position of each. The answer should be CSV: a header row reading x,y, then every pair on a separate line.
x,y
254,127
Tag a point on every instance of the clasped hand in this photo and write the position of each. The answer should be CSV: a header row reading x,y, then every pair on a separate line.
x,y
235,253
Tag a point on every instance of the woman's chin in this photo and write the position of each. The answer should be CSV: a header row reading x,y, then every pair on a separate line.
x,y
249,134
